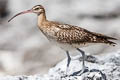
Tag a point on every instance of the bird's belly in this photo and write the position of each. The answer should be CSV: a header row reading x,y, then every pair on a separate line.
x,y
68,47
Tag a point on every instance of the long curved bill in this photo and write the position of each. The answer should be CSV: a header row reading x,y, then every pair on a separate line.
x,y
28,11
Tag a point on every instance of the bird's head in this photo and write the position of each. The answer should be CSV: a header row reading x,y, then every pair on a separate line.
x,y
38,9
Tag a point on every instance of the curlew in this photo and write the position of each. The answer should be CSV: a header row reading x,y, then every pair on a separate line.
x,y
67,36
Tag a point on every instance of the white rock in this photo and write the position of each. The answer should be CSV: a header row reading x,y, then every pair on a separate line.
x,y
104,68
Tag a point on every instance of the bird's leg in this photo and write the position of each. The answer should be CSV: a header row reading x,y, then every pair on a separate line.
x,y
68,61
84,68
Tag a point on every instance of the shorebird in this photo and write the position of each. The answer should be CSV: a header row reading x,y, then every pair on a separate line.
x,y
67,36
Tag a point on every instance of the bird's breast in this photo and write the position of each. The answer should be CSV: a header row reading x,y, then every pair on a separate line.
x,y
49,32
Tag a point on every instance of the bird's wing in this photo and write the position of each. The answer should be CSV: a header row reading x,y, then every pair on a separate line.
x,y
74,34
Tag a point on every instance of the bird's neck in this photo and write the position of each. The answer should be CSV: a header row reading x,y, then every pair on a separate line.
x,y
41,19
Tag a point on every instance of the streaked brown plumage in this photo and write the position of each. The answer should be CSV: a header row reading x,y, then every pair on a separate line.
x,y
73,34
68,34
65,35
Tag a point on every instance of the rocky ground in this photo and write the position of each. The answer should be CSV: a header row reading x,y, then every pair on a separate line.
x,y
99,68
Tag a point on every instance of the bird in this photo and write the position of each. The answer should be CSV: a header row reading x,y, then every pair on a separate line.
x,y
66,36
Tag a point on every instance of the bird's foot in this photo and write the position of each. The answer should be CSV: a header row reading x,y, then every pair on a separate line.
x,y
79,73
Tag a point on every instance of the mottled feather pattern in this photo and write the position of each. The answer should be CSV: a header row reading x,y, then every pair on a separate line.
x,y
65,33
76,35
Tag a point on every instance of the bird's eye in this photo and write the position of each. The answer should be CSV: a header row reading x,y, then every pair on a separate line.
x,y
36,9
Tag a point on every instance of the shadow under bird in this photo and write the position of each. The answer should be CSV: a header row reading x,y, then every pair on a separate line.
x,y
67,36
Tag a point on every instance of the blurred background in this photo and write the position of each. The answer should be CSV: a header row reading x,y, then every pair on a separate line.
x,y
25,50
